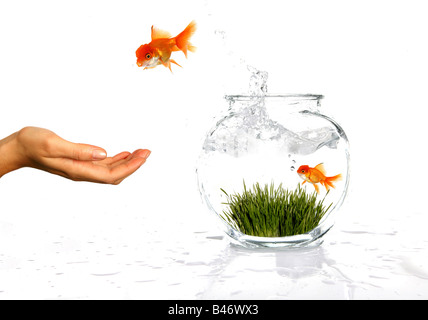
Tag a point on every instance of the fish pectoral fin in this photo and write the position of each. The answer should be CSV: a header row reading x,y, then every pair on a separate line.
x,y
167,64
304,181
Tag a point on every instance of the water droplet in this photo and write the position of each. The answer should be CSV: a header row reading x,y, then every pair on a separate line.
x,y
292,168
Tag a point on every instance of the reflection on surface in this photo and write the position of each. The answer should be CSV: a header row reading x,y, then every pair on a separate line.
x,y
143,258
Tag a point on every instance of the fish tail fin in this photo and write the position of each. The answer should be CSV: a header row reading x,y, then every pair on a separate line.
x,y
182,41
329,180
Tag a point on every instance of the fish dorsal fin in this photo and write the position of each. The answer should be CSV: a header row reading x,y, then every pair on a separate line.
x,y
158,33
320,167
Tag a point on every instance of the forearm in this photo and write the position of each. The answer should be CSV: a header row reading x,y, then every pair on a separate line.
x,y
9,155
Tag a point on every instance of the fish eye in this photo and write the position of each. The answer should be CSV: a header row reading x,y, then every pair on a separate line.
x,y
148,56
303,171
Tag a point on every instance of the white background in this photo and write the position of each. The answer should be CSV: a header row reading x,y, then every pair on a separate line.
x,y
69,66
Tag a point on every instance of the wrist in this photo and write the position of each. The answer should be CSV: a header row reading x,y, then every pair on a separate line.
x,y
9,154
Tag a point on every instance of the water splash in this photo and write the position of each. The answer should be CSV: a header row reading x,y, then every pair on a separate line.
x,y
248,121
258,82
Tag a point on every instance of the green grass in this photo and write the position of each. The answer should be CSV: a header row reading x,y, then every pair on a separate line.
x,y
273,212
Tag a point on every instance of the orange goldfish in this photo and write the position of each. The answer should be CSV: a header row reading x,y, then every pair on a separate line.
x,y
317,174
159,50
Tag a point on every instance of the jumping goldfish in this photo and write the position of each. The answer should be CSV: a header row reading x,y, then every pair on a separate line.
x,y
159,50
317,174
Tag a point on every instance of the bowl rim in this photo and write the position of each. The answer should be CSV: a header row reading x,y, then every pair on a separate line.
x,y
300,96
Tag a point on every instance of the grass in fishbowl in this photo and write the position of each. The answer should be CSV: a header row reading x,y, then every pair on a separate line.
x,y
273,212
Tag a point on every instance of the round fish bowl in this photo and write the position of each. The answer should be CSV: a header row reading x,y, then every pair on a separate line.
x,y
274,170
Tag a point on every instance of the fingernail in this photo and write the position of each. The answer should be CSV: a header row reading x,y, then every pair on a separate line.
x,y
145,154
98,154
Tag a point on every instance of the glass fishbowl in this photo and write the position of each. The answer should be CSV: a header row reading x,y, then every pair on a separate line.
x,y
274,170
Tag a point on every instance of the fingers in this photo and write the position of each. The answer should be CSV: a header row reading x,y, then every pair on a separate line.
x,y
123,177
124,156
116,158
121,169
110,170
78,151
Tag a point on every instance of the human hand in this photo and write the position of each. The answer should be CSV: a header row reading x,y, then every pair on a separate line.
x,y
42,149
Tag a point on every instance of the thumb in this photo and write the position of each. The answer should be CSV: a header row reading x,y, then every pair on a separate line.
x,y
80,151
